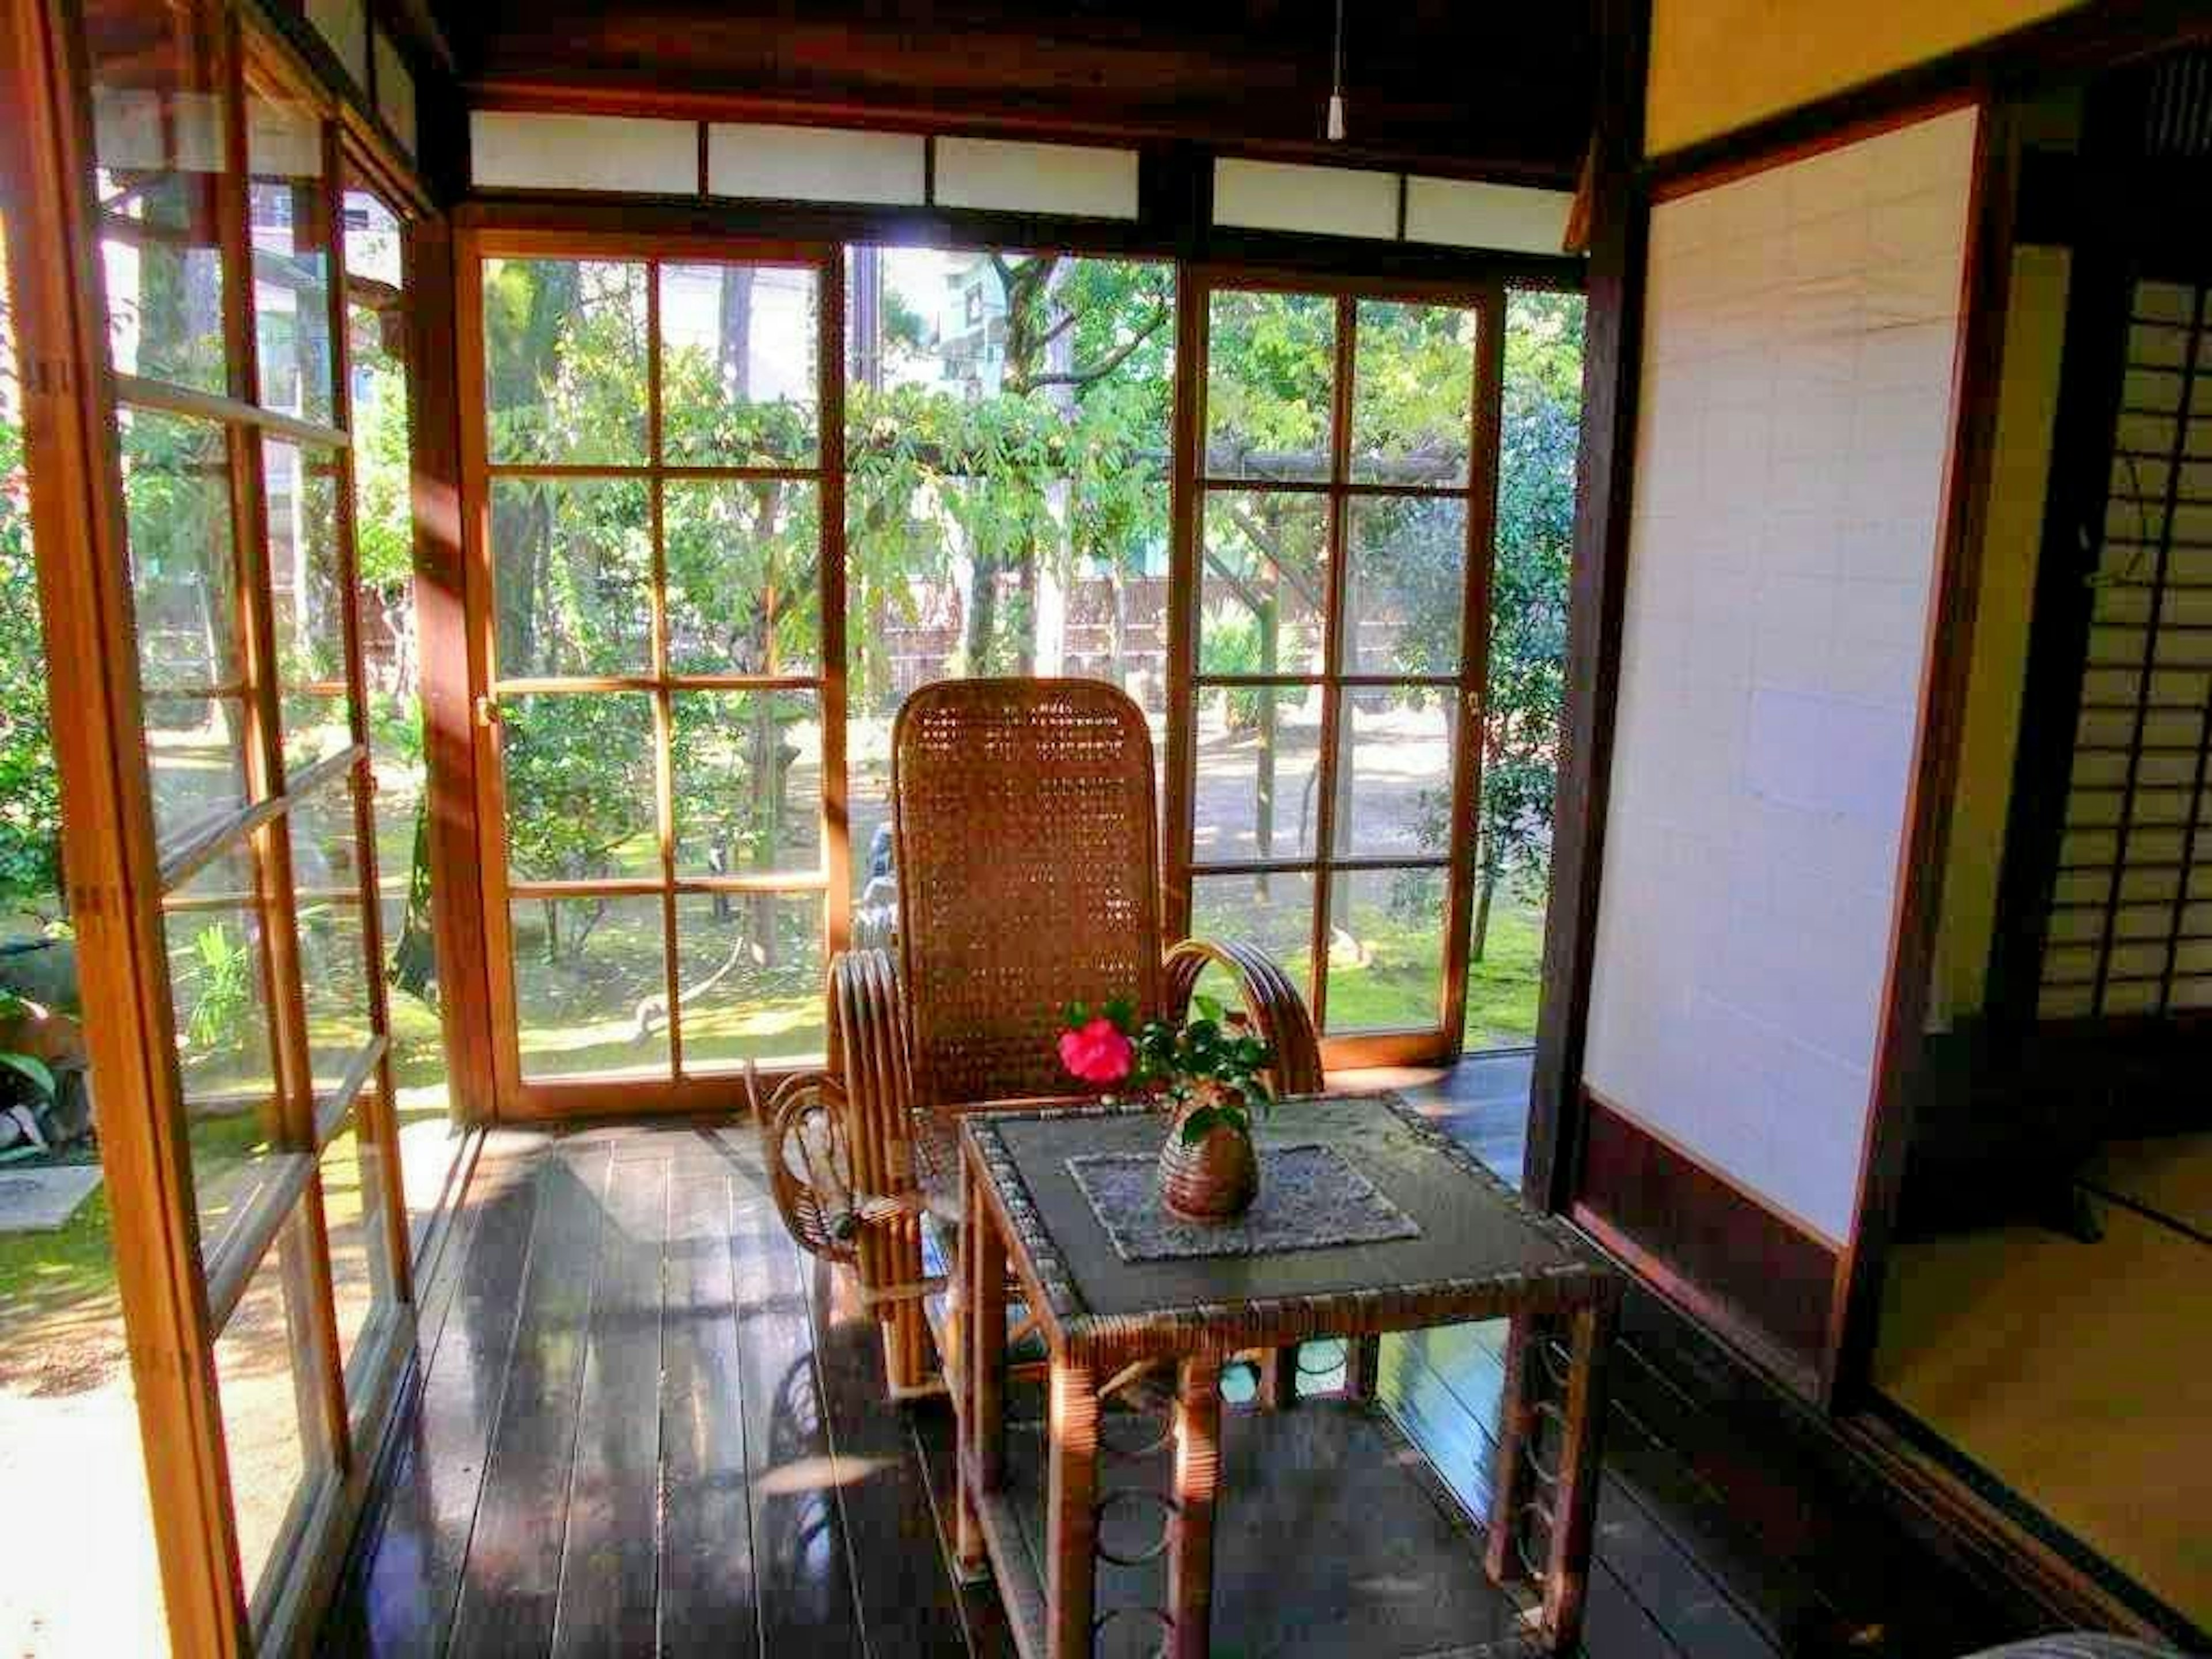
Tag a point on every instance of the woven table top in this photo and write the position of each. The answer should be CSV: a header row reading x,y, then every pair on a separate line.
x,y
1481,1250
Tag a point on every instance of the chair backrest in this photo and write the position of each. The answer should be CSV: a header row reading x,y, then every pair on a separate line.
x,y
1028,876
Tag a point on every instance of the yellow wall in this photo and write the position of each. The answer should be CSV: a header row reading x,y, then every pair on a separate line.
x,y
1720,64
2027,402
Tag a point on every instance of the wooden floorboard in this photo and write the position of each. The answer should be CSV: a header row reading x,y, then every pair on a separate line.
x,y
647,1424
708,1602
610,1557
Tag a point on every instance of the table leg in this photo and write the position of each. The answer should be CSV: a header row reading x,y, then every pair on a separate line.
x,y
1279,1379
979,1407
1362,1366
1071,1511
1575,1502
1197,1483
1509,1475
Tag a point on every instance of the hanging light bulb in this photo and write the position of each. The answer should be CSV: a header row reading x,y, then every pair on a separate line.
x,y
1336,86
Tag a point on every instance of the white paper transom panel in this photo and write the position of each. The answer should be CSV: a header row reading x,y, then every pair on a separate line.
x,y
344,25
1801,327
1460,213
520,150
395,92
1318,201
815,164
1017,178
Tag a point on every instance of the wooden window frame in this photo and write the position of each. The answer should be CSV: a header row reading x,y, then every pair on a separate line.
x,y
680,1091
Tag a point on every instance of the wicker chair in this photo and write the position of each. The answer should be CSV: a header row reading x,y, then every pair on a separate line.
x,y
1027,871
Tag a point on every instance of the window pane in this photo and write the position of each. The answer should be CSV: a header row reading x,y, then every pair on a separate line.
x,y
1274,912
291,230
564,361
572,570
1270,364
739,384
1395,772
1406,586
751,966
1258,749
580,785
1387,950
1263,584
591,987
159,119
265,1383
748,782
307,599
1413,393
327,876
214,931
745,582
361,1285
176,493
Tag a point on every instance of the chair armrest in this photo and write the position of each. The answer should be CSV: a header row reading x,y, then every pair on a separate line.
x,y
804,1138
868,1051
1279,1013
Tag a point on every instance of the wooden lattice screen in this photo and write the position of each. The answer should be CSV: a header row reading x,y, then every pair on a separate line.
x,y
2131,922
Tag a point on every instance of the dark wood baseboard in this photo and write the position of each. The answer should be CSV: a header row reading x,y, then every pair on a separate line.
x,y
1707,1245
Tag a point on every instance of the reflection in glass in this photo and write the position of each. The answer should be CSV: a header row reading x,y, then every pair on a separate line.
x,y
217,987
1413,393
159,119
745,585
750,968
328,878
1394,775
1406,589
565,361
1270,366
271,1437
739,383
591,987
572,576
748,782
307,589
580,785
1263,584
1386,952
361,1285
291,234
1259,748
176,494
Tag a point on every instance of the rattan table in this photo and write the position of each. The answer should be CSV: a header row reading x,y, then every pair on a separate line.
x,y
1109,1325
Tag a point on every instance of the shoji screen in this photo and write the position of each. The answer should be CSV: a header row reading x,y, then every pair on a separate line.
x,y
1801,327
2131,929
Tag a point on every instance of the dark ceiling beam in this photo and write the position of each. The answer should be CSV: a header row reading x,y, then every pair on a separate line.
x,y
1443,90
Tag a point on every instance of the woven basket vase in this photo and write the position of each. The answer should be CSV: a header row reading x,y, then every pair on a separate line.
x,y
1212,1179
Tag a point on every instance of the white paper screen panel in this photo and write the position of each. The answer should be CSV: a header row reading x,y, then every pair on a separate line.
x,y
1002,176
1460,213
521,150
1800,336
770,163
1315,201
395,91
344,25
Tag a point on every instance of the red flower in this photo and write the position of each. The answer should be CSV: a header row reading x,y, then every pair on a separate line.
x,y
1097,1052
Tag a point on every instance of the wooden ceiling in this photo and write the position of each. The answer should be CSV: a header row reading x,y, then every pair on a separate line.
x,y
1450,85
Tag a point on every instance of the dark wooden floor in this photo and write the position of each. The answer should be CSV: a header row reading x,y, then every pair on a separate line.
x,y
646,1424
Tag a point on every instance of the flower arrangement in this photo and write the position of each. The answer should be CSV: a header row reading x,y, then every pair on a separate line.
x,y
1211,1067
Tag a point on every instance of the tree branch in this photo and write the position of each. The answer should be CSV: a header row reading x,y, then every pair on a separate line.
x,y
1081,377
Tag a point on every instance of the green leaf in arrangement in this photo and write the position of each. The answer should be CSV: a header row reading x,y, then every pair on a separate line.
x,y
1200,1122
34,1069
1209,1008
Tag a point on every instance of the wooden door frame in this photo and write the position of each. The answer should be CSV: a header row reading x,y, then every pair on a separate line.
x,y
512,1096
1467,688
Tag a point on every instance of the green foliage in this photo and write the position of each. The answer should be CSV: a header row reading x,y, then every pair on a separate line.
x,y
224,966
30,792
1211,1062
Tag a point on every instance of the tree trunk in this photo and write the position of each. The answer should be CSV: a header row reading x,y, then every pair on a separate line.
x,y
1483,896
415,956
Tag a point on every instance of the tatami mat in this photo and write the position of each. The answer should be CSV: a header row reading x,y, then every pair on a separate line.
x,y
2078,1375
2170,1177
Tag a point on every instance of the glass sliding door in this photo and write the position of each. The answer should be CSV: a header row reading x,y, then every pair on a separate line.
x,y
1344,480
653,446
